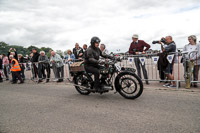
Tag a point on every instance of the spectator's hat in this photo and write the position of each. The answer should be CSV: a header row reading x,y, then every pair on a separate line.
x,y
135,36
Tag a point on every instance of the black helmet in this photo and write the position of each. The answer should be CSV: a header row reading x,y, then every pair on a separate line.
x,y
95,40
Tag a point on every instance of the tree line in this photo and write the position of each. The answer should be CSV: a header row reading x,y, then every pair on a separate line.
x,y
4,48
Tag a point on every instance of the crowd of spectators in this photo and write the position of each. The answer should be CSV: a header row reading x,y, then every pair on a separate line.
x,y
14,65
39,64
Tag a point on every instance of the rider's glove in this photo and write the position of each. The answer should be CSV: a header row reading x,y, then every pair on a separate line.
x,y
101,62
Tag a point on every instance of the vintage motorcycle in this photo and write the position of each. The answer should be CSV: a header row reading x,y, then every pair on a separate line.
x,y
124,80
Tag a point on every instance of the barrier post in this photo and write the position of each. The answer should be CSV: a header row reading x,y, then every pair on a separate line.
x,y
177,86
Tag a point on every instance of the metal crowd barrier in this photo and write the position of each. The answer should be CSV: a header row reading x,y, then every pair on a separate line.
x,y
29,74
150,61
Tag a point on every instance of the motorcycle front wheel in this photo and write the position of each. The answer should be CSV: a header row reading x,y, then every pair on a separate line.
x,y
129,85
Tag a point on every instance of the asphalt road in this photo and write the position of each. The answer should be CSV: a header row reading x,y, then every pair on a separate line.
x,y
51,108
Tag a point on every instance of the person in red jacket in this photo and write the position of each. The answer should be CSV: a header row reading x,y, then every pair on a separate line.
x,y
136,48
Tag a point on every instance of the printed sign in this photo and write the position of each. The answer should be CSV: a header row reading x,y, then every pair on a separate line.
x,y
170,58
155,59
130,60
142,60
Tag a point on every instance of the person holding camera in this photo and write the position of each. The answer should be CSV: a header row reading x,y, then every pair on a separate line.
x,y
10,52
170,47
162,61
136,48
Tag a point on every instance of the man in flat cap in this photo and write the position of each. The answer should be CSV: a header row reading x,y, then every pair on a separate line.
x,y
137,48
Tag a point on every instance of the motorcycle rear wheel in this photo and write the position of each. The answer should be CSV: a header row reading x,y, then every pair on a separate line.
x,y
81,83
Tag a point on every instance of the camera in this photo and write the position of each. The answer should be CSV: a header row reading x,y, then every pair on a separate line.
x,y
162,40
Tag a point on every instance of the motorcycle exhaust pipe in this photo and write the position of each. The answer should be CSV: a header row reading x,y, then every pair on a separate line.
x,y
107,87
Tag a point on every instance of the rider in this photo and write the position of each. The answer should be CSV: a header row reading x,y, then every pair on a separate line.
x,y
92,61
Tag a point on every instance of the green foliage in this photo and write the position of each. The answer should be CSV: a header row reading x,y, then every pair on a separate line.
x,y
20,49
60,53
4,48
46,50
29,49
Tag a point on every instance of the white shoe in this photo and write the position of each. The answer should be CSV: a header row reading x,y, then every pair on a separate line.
x,y
55,80
166,85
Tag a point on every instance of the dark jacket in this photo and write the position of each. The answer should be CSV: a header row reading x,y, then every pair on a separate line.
x,y
21,61
44,61
162,61
35,57
138,47
84,54
1,64
76,53
92,56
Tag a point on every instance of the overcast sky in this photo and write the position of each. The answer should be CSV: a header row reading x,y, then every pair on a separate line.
x,y
59,24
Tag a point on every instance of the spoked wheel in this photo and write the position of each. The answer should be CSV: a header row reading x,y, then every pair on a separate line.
x,y
129,85
82,84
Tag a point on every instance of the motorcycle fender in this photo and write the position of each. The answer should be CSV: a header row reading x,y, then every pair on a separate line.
x,y
128,69
76,74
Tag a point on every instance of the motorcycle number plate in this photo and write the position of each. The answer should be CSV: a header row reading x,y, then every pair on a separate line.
x,y
118,67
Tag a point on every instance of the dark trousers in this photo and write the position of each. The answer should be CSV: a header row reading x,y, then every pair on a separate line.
x,y
196,72
161,72
35,71
6,67
95,71
41,71
162,75
60,72
16,76
1,79
22,71
138,64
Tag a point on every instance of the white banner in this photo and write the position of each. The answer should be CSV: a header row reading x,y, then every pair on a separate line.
x,y
142,60
155,59
130,60
170,58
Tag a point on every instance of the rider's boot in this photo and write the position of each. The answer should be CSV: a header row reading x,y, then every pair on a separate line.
x,y
97,87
